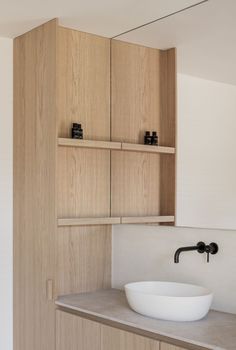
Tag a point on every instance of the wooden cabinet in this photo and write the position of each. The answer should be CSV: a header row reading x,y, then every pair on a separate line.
x,y
117,91
76,333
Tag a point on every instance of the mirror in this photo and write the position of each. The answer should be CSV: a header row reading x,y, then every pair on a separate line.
x,y
205,38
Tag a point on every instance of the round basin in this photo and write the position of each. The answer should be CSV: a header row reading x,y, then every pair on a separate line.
x,y
169,300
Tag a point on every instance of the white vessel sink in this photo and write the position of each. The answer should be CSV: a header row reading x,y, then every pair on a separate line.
x,y
168,300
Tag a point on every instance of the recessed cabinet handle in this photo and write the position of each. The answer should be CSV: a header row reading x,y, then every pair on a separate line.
x,y
49,289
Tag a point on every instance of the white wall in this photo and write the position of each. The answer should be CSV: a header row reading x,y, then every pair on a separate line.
x,y
147,253
206,151
206,197
6,147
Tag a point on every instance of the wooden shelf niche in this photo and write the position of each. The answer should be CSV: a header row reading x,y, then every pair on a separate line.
x,y
143,98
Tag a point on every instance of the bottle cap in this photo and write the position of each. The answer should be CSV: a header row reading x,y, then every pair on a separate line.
x,y
147,133
75,125
154,133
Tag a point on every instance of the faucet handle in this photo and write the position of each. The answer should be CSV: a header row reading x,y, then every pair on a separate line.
x,y
208,253
212,248
201,247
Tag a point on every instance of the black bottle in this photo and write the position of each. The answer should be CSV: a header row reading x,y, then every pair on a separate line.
x,y
147,138
77,131
154,138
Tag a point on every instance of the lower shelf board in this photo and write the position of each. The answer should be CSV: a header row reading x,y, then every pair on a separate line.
x,y
146,219
146,148
114,220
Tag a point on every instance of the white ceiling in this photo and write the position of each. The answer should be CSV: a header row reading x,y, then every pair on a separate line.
x,y
103,17
205,37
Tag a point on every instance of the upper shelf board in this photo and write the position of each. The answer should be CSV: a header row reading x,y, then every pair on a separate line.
x,y
115,145
88,143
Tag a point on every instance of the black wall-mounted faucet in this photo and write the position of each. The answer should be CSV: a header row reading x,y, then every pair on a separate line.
x,y
201,248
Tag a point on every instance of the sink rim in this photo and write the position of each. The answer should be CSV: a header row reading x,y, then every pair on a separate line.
x,y
205,291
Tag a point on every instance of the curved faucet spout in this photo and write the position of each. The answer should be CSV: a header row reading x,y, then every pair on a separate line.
x,y
200,247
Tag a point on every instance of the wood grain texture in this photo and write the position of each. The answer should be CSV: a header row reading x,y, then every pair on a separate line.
x,y
76,333
83,259
34,186
168,80
134,184
165,346
83,84
167,185
83,174
135,91
83,183
88,143
117,339
168,130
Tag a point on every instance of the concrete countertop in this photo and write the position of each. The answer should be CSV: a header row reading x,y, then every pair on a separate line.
x,y
217,331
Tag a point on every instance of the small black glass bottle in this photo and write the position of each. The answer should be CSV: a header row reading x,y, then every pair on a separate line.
x,y
154,138
77,131
147,138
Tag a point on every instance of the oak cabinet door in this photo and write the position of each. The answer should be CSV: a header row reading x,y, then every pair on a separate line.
x,y
165,346
76,333
116,339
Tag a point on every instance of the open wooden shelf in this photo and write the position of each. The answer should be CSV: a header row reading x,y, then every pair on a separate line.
x,y
88,221
146,219
88,143
114,220
133,147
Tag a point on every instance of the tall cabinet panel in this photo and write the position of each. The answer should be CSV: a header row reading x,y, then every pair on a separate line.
x,y
34,187
83,175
